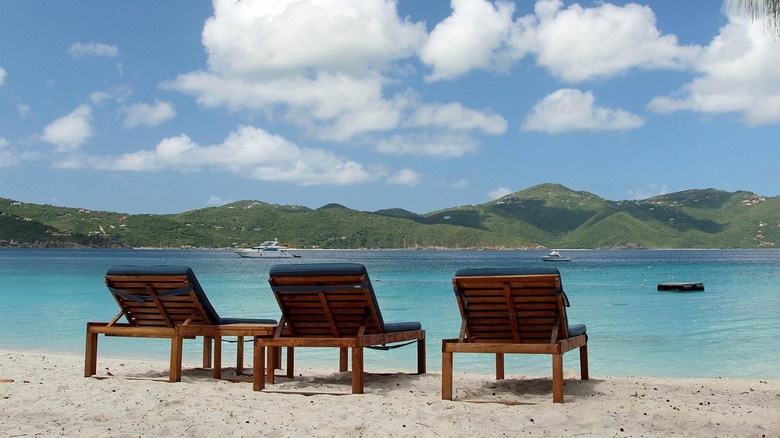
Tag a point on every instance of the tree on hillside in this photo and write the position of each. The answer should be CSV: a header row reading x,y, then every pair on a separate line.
x,y
757,9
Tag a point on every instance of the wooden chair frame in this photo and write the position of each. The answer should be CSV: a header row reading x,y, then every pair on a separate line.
x,y
497,313
168,308
328,311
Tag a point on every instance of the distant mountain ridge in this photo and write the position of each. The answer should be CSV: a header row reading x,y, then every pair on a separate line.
x,y
543,216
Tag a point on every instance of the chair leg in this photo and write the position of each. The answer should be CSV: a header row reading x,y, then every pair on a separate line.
x,y
272,356
239,355
218,356
343,352
421,357
90,353
290,361
207,351
500,366
258,365
446,375
584,362
176,357
557,377
357,370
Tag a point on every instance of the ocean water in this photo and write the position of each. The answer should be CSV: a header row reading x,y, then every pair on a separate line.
x,y
729,330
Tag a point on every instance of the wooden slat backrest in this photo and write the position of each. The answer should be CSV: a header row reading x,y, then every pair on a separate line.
x,y
326,305
151,310
512,309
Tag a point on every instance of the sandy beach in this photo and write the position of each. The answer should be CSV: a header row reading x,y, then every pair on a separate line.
x,y
47,395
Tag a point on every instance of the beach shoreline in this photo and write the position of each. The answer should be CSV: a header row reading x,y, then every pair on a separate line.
x,y
47,395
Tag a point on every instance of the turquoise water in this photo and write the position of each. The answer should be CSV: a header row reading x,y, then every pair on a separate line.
x,y
47,296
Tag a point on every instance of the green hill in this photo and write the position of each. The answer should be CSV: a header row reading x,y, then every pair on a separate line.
x,y
547,215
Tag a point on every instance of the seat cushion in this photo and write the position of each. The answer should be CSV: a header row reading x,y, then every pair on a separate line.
x,y
498,272
317,269
576,330
226,321
395,327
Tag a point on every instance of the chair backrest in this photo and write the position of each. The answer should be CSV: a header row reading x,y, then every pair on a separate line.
x,y
511,305
160,296
326,299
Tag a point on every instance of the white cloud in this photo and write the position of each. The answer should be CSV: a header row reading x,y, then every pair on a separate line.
x,y
70,132
320,67
7,156
578,44
434,145
250,152
648,192
499,193
2,76
23,110
292,36
455,117
11,156
468,38
460,184
568,110
574,44
217,200
144,114
739,72
406,177
81,50
339,106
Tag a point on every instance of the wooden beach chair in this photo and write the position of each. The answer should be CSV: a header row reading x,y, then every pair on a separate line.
x,y
507,311
330,305
168,302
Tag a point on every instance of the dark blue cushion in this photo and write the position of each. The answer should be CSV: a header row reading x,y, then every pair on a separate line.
x,y
225,321
495,272
395,327
315,269
576,330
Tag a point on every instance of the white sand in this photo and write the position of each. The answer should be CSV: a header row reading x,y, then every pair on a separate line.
x,y
47,395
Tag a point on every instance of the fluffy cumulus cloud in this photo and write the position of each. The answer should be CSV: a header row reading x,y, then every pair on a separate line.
x,y
248,151
578,44
739,72
455,116
144,114
567,110
469,38
70,132
82,50
2,76
290,36
574,43
407,177
318,62
323,68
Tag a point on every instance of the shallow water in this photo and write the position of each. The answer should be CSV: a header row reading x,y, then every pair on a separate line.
x,y
47,296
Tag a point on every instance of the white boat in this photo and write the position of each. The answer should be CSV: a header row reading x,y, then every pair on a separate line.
x,y
269,249
555,256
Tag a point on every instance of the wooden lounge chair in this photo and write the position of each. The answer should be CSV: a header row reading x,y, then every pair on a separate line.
x,y
330,305
514,311
168,302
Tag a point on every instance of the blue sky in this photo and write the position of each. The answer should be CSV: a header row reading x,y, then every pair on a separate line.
x,y
161,107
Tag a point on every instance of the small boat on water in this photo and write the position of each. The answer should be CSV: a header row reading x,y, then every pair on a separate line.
x,y
555,256
270,249
681,287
